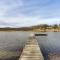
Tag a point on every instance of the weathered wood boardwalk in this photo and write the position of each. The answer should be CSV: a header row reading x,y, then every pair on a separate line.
x,y
31,50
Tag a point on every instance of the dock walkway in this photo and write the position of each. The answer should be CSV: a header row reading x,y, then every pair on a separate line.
x,y
31,50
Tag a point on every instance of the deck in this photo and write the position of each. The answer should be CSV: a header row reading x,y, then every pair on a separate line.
x,y
31,51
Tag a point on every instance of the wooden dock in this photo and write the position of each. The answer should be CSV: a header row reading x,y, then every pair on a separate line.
x,y
31,50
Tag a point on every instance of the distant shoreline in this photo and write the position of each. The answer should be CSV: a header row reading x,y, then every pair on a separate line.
x,y
35,30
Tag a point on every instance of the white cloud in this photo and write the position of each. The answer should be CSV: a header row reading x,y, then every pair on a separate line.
x,y
14,14
27,21
7,7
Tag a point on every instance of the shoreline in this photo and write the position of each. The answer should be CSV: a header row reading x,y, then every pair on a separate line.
x,y
32,30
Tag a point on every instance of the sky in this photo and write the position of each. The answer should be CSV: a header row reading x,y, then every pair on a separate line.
x,y
20,13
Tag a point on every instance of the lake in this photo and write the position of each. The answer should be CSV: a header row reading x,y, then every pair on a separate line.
x,y
12,43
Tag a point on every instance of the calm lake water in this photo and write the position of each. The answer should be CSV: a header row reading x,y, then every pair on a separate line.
x,y
15,41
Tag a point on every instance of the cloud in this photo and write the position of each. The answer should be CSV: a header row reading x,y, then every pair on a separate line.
x,y
10,7
18,13
26,21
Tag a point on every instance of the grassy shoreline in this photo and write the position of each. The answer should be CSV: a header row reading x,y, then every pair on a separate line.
x,y
34,30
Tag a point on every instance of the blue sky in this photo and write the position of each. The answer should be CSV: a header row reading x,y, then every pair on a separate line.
x,y
19,13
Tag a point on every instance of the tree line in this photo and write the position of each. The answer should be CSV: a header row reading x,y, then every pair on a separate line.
x,y
40,26
46,26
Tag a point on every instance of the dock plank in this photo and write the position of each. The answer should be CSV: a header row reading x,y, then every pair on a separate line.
x,y
31,51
